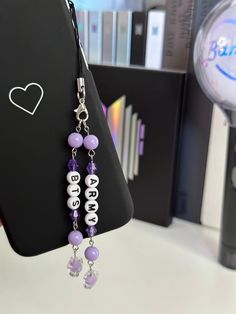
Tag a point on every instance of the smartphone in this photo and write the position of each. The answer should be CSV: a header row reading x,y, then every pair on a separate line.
x,y
38,61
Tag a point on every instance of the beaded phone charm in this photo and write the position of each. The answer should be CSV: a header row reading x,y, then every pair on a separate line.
x,y
75,238
90,142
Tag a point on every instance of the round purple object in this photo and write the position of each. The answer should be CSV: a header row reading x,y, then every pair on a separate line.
x,y
91,253
91,142
75,237
75,140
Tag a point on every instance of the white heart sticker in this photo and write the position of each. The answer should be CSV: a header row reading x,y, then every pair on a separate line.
x,y
24,90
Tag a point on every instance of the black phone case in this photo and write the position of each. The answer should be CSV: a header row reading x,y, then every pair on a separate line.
x,y
38,47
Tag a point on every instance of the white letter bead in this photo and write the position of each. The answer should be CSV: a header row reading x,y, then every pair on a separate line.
x,y
73,203
91,206
91,219
73,190
92,181
73,177
91,194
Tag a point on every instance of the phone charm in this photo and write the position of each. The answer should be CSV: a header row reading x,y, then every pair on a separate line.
x,y
90,142
91,206
75,237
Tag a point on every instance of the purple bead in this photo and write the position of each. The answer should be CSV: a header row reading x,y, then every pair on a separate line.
x,y
91,253
92,167
75,266
75,237
91,142
91,231
75,140
74,215
90,279
73,165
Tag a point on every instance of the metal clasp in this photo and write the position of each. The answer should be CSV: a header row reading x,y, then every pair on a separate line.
x,y
81,90
81,113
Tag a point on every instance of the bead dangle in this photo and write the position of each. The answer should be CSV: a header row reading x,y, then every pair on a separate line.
x,y
91,142
91,206
75,237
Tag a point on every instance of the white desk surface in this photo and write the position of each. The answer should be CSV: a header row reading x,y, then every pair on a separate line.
x,y
144,269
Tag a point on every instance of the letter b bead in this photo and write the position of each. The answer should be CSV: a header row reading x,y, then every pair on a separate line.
x,y
73,177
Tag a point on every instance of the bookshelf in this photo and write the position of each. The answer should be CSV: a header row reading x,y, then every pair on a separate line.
x,y
195,111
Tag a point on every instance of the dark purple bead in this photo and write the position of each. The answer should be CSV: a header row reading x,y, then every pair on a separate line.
x,y
73,165
74,215
91,231
92,167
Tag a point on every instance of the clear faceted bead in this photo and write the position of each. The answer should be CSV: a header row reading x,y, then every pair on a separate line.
x,y
73,165
90,279
91,231
75,266
91,167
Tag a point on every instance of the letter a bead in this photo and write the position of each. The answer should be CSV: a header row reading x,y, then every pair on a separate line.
x,y
92,181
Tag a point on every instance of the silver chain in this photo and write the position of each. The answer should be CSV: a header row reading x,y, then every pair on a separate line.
x,y
75,225
74,153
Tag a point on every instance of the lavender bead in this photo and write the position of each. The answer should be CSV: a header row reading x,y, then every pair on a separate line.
x,y
90,279
91,142
75,237
75,266
91,253
91,231
75,140
91,168
73,165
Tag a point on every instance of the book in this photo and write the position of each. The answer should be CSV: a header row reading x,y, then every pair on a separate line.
x,y
95,36
213,194
137,147
132,151
124,27
138,41
115,119
109,38
126,141
82,18
155,39
110,5
177,34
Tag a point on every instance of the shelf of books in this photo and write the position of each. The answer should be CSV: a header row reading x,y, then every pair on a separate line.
x,y
123,44
153,39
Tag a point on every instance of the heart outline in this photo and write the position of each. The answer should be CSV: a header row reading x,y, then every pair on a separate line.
x,y
25,89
